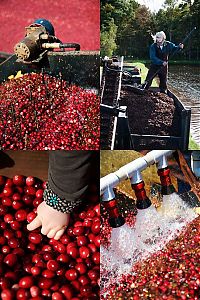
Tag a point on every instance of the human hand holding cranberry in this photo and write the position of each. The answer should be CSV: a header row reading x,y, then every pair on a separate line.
x,y
53,222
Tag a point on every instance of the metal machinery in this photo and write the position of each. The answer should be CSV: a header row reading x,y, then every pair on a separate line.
x,y
35,53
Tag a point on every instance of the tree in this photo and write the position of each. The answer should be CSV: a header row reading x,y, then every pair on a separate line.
x,y
108,39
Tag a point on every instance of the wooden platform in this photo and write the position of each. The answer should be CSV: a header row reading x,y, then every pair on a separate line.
x,y
34,163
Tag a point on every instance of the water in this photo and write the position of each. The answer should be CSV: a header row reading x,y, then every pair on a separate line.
x,y
186,79
152,231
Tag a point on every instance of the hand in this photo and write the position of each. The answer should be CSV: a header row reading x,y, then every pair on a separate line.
x,y
181,45
53,222
165,63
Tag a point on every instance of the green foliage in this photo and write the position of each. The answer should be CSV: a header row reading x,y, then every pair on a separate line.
x,y
108,37
126,27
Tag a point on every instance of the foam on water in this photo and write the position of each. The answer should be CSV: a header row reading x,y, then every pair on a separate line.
x,y
153,230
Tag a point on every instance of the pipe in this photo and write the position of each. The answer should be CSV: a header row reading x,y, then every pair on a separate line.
x,y
133,169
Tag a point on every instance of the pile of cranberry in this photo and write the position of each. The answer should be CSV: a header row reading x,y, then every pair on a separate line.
x,y
35,267
41,112
173,273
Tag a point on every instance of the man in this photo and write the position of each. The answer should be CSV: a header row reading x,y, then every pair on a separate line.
x,y
159,53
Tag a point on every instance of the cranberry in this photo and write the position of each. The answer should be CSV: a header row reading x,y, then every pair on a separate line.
x,y
35,238
21,215
34,291
96,227
35,271
10,259
96,258
45,283
52,265
26,282
48,274
22,294
73,251
81,267
8,191
67,291
31,216
39,193
30,181
7,294
84,252
93,275
19,180
78,230
71,274
15,225
64,258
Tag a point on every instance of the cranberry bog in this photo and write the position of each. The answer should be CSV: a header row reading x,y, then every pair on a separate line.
x,y
55,106
151,256
150,121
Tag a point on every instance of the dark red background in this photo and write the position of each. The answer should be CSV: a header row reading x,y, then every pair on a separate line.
x,y
74,21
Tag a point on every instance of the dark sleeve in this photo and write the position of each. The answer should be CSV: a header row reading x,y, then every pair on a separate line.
x,y
154,59
69,173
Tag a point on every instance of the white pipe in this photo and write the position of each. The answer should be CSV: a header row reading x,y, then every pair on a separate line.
x,y
133,169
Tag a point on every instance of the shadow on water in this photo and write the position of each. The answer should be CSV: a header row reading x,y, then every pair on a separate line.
x,y
186,79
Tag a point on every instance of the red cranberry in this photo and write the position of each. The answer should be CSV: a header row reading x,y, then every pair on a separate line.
x,y
19,180
7,294
39,193
22,294
35,238
71,274
57,296
81,267
10,259
45,283
48,274
52,265
84,252
34,291
67,291
21,215
31,216
26,282
30,181
8,191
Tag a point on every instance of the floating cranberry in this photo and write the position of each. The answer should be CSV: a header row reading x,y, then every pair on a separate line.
x,y
67,291
48,274
6,201
57,296
78,230
82,240
96,258
73,251
35,270
64,258
34,291
95,227
22,294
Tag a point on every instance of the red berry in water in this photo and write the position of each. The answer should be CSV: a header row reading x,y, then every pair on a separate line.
x,y
82,240
35,238
93,275
35,271
71,274
64,258
30,181
19,180
67,291
26,282
30,190
48,274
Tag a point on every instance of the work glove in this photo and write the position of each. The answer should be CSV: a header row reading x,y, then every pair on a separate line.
x,y
165,63
181,46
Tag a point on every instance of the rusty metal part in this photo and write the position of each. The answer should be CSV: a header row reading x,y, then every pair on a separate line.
x,y
188,174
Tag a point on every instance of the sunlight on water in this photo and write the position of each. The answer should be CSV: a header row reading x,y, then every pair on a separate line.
x,y
153,229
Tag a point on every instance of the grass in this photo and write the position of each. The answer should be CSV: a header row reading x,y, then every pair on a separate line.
x,y
144,70
173,62
193,145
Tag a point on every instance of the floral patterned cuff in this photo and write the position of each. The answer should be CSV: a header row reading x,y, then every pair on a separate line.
x,y
57,203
